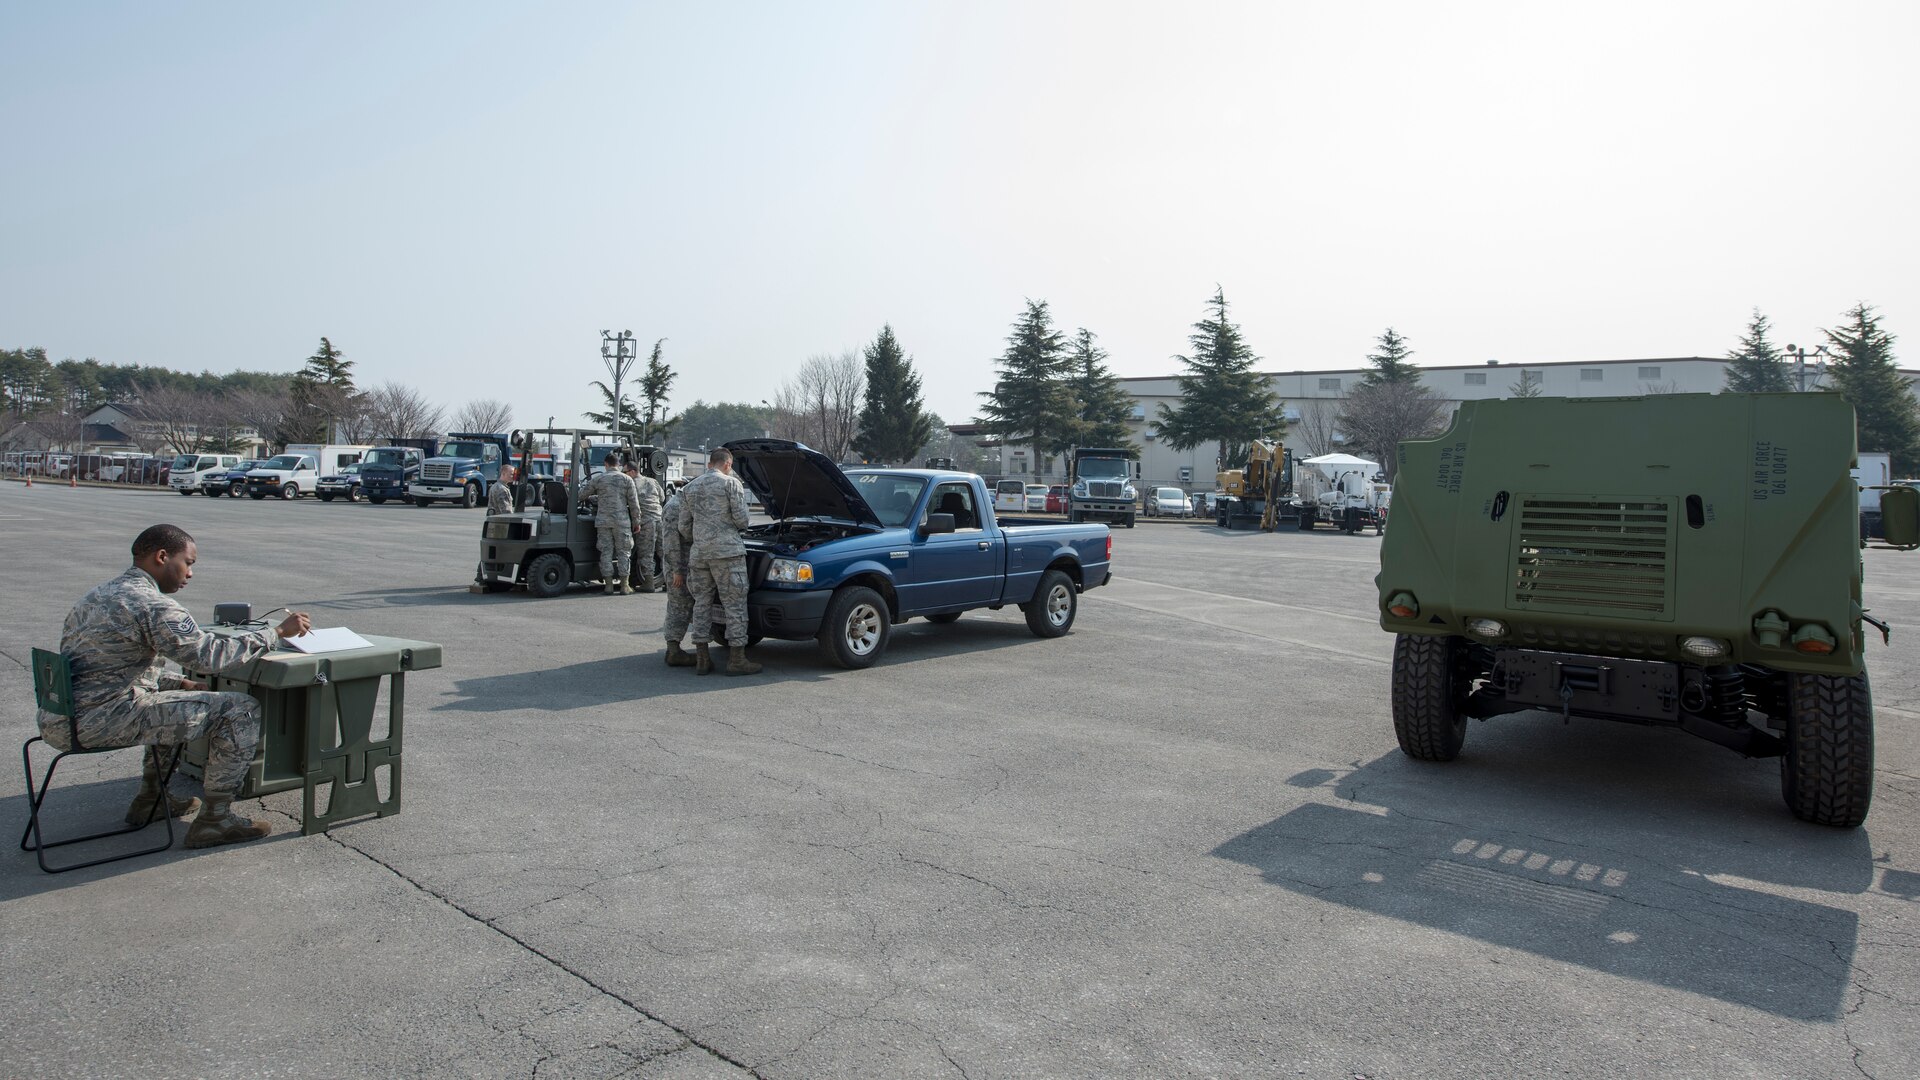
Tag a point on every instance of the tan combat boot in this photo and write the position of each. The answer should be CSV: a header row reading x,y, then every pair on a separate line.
x,y
218,824
702,659
737,662
141,811
677,656
625,589
613,587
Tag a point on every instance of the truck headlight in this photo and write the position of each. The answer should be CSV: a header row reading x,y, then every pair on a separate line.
x,y
790,572
1491,629
1129,492
1080,488
1706,648
496,530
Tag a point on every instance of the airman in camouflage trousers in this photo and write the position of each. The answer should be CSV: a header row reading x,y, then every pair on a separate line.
x,y
679,600
117,640
648,491
616,518
713,511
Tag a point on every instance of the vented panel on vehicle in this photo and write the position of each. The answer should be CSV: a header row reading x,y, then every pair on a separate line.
x,y
1104,489
1594,555
436,472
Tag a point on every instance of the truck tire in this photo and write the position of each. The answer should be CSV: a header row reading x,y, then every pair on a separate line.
x,y
1055,603
470,496
235,488
422,501
1352,521
353,494
185,491
1426,710
1306,520
1129,521
944,618
326,496
548,575
1826,775
856,629
289,492
377,500
215,491
256,495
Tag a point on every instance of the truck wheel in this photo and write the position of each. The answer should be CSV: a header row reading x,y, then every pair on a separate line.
x,y
186,491
1073,516
470,496
549,575
234,489
1426,712
1050,613
377,500
1826,775
423,502
353,494
326,496
289,492
1129,522
856,629
215,492
1306,521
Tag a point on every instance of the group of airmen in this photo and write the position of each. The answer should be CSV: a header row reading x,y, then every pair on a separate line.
x,y
697,533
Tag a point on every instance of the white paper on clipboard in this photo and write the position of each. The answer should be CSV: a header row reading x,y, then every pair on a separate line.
x,y
327,639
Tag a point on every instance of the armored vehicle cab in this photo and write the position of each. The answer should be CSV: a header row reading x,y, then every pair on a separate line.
x,y
1684,560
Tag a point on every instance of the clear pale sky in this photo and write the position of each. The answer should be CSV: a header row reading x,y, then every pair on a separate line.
x,y
463,195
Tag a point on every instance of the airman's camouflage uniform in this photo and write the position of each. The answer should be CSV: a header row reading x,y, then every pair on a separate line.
x,y
713,510
617,511
500,499
117,640
679,599
648,490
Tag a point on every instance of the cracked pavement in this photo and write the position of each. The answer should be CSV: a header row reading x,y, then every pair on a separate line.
x,y
1178,842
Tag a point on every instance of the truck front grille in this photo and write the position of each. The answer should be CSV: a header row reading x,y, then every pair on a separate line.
x,y
1103,489
1587,555
436,472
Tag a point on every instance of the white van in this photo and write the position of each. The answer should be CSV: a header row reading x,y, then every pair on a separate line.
x,y
1010,495
297,470
190,470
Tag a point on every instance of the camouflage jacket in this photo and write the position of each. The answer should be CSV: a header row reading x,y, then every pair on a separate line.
x,y
619,503
713,510
118,638
649,491
500,499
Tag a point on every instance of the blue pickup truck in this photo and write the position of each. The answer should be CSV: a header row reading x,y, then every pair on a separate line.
x,y
850,554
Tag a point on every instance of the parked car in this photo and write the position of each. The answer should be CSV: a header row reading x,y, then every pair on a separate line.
x,y
1036,499
1057,499
188,473
345,483
231,481
1168,502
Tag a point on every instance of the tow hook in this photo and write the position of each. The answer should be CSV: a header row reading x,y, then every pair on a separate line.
x,y
1886,632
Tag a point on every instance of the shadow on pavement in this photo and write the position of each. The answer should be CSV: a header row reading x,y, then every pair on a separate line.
x,y
1601,846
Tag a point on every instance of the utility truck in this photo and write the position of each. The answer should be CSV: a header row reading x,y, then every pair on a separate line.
x,y
1685,560
190,472
297,470
466,466
1100,485
387,472
1348,492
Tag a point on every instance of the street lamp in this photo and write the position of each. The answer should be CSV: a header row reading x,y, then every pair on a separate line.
x,y
1800,365
618,354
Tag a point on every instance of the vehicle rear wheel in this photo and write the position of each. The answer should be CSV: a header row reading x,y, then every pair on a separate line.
x,y
1055,603
944,617
549,575
289,492
470,496
377,500
353,494
1826,775
1129,521
1426,710
856,629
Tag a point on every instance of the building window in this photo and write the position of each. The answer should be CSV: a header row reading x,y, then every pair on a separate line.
x,y
1649,372
1476,378
1329,384
1592,374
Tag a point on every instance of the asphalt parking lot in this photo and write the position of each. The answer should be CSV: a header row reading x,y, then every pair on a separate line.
x,y
1178,842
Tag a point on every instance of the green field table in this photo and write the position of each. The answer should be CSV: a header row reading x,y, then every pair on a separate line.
x,y
316,726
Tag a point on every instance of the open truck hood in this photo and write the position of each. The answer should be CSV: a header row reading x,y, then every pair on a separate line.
x,y
794,480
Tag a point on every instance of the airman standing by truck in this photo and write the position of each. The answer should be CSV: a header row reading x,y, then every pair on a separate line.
x,y
712,514
679,601
645,537
500,498
616,519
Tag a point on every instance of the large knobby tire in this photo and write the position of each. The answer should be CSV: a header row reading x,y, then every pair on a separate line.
x,y
1426,709
470,496
1826,775
856,629
289,492
944,617
1055,603
549,575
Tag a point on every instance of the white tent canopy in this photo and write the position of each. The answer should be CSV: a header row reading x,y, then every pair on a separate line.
x,y
1334,462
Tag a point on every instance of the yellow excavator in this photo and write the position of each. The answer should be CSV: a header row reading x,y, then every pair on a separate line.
x,y
1257,493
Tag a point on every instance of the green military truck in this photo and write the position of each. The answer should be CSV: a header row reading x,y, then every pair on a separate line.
x,y
1686,560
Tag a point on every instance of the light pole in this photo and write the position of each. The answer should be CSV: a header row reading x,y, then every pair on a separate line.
x,y
618,354
1800,365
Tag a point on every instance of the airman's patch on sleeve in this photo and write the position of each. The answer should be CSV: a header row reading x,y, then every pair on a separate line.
x,y
182,625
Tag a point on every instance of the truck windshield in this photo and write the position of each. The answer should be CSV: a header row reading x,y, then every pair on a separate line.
x,y
284,461
184,462
1102,468
387,456
462,450
891,497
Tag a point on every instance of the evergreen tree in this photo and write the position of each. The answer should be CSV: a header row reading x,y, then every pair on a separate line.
x,y
1756,367
655,382
1882,399
629,415
894,423
1390,363
1104,408
1221,396
1527,387
322,394
1030,400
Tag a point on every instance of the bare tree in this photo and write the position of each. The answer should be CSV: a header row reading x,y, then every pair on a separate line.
x,y
62,430
486,414
1378,417
395,411
172,417
820,405
1318,427
263,412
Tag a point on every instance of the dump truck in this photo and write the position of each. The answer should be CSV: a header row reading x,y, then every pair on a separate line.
x,y
1687,560
1100,487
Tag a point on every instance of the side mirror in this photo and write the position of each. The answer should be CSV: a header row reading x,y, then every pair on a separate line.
x,y
1900,517
936,523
